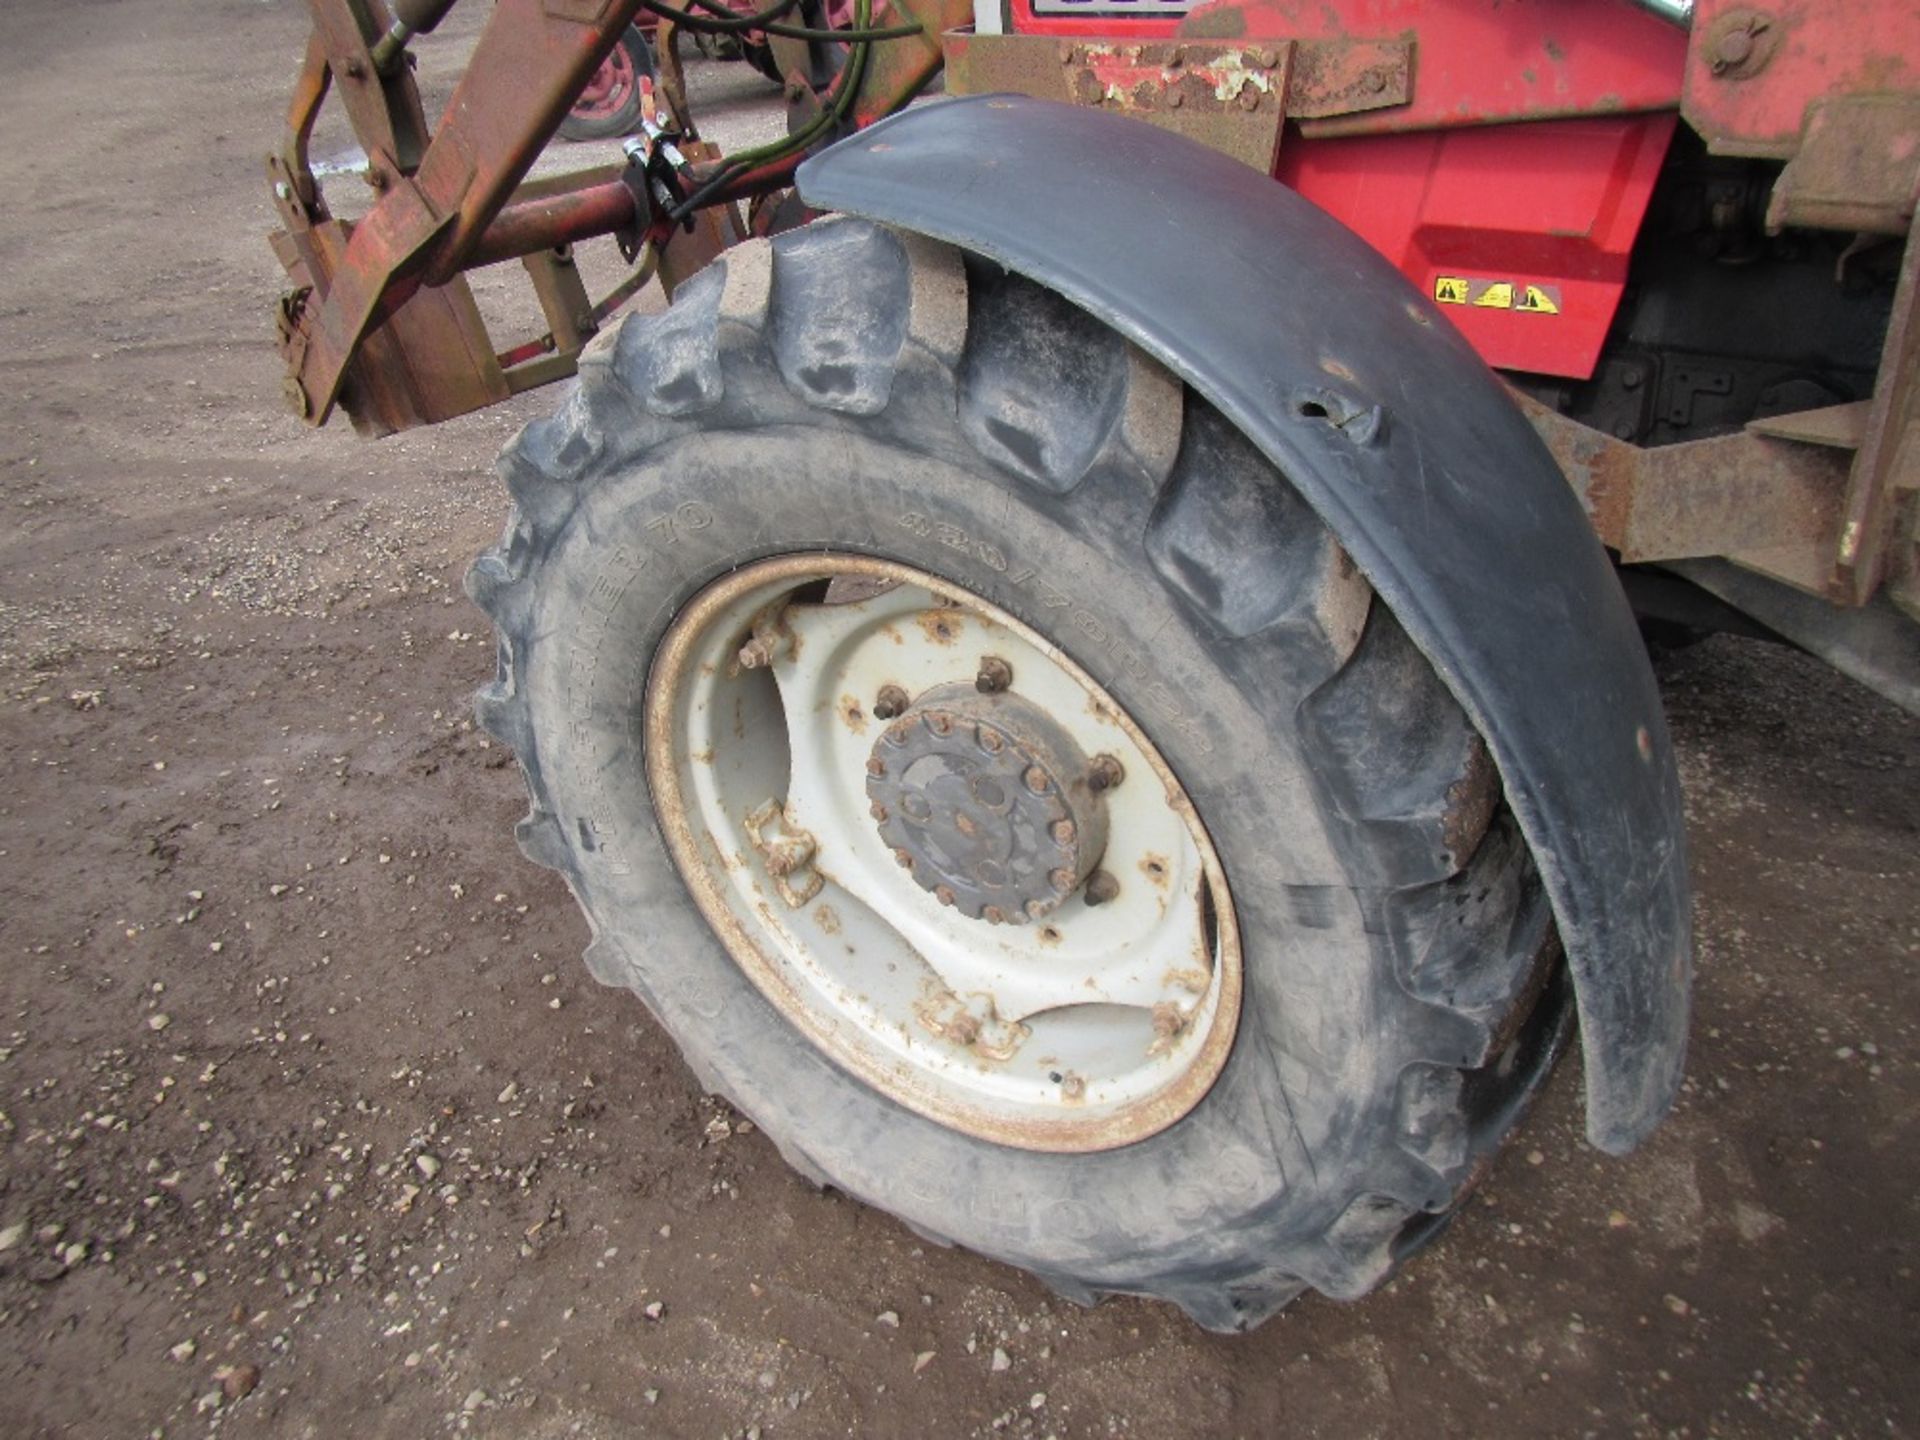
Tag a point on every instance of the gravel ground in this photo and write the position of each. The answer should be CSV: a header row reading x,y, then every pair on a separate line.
x,y
312,1124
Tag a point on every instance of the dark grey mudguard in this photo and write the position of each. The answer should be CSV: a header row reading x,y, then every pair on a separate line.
x,y
1406,444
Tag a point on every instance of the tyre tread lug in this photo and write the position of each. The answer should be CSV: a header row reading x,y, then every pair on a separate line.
x,y
839,313
670,362
1042,384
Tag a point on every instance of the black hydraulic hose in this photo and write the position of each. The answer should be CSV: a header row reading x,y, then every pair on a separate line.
x,y
794,144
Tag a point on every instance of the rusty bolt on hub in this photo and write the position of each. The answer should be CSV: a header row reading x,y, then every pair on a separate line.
x,y
890,703
1101,887
994,675
1105,773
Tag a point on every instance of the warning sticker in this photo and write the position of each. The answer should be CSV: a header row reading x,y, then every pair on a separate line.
x,y
1539,300
1497,294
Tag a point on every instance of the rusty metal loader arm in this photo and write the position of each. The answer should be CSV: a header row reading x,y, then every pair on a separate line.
x,y
382,320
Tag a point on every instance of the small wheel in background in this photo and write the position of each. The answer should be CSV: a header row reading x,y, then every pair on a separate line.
x,y
610,105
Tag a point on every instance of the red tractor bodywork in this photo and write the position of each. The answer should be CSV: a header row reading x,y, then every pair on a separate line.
x,y
1522,231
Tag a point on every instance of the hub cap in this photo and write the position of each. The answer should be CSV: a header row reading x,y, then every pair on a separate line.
x,y
943,851
987,804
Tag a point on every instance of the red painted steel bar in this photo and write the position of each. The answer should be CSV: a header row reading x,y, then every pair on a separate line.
x,y
557,220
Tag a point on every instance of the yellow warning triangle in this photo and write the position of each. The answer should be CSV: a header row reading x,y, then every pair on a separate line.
x,y
1538,301
1450,290
1497,296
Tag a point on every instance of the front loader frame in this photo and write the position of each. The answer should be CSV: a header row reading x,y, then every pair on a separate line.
x,y
381,317
1823,501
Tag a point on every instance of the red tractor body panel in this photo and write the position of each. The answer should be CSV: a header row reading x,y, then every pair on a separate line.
x,y
1521,231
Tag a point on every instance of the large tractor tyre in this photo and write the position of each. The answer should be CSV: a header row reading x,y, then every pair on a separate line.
x,y
1004,789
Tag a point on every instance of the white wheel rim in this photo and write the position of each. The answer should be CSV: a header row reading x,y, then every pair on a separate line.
x,y
1092,1026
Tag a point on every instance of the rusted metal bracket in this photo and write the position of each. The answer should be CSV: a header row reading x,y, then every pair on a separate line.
x,y
673,77
530,62
1330,78
1751,66
1233,96
1770,504
385,109
1230,97
1886,472
381,313
1857,168
1826,500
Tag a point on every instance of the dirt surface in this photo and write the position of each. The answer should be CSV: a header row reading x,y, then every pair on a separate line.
x,y
311,1122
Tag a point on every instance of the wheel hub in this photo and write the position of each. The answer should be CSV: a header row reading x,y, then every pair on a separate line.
x,y
986,802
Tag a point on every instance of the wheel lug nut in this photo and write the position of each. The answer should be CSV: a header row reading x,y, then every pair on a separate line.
x,y
993,915
939,724
905,857
877,810
889,703
1036,779
944,894
989,739
994,675
876,766
1061,879
1064,832
1104,773
1101,887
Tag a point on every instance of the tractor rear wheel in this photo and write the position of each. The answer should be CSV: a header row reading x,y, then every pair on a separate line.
x,y
1004,789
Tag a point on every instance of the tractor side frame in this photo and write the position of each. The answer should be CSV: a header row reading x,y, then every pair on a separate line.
x,y
1817,501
